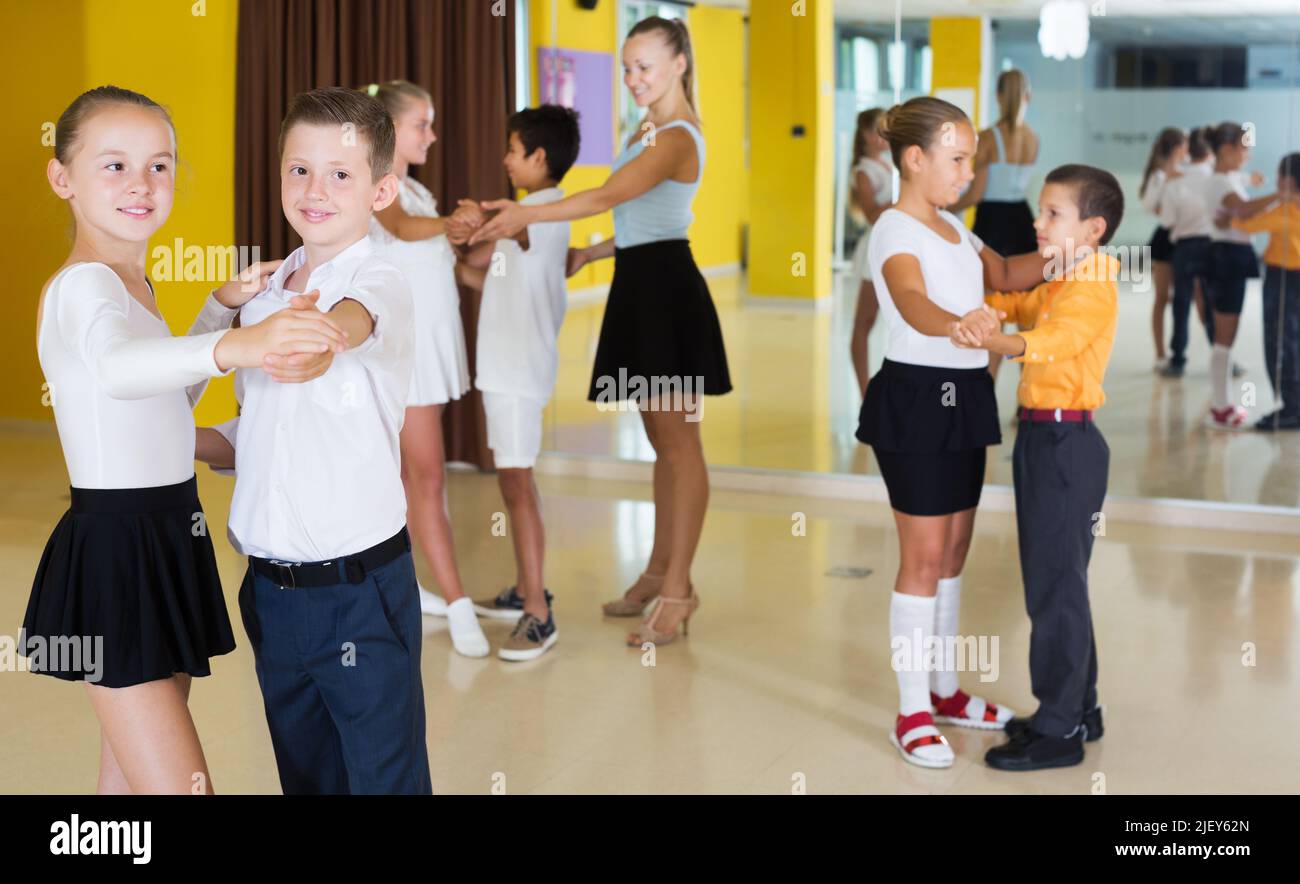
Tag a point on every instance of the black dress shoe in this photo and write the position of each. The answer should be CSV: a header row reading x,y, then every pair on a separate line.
x,y
1092,725
1030,750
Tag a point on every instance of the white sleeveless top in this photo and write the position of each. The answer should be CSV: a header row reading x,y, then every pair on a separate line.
x,y
118,379
430,255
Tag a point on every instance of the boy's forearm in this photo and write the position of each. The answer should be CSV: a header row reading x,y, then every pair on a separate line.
x,y
601,250
479,256
212,448
471,276
1005,345
353,317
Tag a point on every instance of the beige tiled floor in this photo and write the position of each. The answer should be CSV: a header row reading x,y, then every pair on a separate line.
x,y
795,403
784,678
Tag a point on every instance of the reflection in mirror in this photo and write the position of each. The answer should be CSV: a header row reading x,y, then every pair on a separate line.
x,y
798,363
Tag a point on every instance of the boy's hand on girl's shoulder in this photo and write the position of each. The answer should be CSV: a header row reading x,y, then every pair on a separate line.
x,y
297,368
239,290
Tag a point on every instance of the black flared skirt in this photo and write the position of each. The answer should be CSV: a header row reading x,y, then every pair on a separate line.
x,y
1006,228
928,427
127,590
1162,247
660,328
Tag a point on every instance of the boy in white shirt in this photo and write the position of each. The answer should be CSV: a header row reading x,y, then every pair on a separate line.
x,y
524,296
329,600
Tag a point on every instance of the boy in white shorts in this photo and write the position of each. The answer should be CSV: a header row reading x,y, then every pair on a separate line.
x,y
522,280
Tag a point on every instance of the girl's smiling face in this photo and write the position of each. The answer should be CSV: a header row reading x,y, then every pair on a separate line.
x,y
414,130
121,176
945,168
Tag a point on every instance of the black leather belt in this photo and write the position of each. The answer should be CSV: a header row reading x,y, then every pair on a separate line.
x,y
345,569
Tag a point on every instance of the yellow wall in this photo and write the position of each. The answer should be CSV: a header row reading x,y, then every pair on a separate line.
x,y
717,36
721,206
791,177
184,61
36,226
957,53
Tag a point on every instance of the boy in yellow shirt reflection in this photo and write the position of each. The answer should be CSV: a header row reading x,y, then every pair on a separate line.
x,y
1060,460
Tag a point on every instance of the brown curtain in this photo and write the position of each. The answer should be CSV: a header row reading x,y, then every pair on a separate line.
x,y
457,49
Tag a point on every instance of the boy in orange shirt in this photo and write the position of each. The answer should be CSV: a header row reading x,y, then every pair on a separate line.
x,y
1279,215
1060,460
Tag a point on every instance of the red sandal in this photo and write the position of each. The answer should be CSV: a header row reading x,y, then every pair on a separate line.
x,y
914,734
964,710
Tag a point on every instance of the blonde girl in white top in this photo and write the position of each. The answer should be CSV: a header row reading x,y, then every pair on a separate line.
x,y
124,569
412,235
872,192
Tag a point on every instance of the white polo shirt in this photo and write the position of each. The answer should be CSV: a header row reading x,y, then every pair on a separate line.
x,y
318,465
524,299
954,280
1183,206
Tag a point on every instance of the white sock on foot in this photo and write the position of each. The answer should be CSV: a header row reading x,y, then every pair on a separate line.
x,y
947,606
911,620
1220,377
466,635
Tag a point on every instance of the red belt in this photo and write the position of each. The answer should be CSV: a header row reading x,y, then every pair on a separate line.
x,y
1055,415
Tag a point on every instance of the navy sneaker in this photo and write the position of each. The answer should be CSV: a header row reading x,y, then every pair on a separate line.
x,y
506,605
531,638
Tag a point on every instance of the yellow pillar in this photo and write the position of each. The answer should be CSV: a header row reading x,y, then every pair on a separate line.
x,y
792,127
962,53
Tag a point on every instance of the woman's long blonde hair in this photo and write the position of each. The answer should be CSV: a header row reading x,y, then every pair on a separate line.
x,y
1013,86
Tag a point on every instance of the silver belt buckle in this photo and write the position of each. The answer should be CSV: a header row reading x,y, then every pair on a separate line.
x,y
1058,415
282,569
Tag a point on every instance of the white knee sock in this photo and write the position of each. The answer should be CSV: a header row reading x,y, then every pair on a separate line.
x,y
911,623
1220,377
943,681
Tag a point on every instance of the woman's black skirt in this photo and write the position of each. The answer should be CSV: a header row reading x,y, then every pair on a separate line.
x,y
929,427
1006,228
1162,247
660,328
127,590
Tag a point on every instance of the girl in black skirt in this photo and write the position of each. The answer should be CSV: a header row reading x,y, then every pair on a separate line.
x,y
660,341
1168,152
930,413
126,597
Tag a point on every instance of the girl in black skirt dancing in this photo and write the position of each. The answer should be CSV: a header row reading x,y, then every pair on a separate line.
x,y
126,597
660,341
1168,152
930,412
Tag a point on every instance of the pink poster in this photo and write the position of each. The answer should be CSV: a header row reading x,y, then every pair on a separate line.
x,y
583,81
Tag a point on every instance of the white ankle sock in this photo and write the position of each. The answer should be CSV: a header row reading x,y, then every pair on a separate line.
x,y
943,681
911,623
1220,377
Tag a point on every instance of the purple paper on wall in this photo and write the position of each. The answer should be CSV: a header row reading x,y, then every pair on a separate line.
x,y
583,81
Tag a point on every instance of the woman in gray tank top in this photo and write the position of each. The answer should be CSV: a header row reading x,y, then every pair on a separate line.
x,y
661,344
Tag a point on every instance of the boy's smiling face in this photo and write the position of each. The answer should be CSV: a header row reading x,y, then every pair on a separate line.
x,y
1060,229
326,188
529,171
